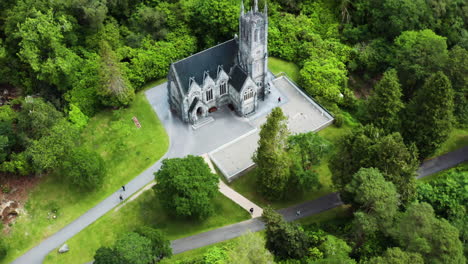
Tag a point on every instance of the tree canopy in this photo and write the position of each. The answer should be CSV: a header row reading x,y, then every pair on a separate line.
x,y
370,147
271,156
430,115
186,187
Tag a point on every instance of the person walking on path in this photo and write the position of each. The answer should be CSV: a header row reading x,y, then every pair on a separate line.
x,y
121,198
279,100
123,188
251,210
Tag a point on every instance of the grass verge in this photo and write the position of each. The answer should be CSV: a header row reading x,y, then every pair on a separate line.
x,y
458,138
127,151
145,210
278,65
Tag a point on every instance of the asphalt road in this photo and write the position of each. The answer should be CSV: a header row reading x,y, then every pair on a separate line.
x,y
308,208
183,141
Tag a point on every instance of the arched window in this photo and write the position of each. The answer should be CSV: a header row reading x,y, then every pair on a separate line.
x,y
223,88
256,36
249,93
209,95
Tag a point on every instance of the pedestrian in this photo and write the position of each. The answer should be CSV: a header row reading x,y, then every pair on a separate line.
x,y
251,210
279,100
121,198
123,188
298,212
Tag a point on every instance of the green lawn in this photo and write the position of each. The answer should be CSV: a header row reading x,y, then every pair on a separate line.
x,y
458,138
127,152
277,66
144,210
247,184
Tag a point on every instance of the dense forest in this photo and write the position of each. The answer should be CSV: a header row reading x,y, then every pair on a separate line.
x,y
66,60
399,67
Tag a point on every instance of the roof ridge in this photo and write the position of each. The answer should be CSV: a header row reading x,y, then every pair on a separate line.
x,y
204,50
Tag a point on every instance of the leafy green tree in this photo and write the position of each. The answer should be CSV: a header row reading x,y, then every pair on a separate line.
x,y
85,82
134,248
186,187
43,48
90,13
374,196
160,245
271,156
105,255
415,233
324,77
385,103
418,55
215,255
372,58
209,14
150,21
457,71
285,240
84,168
446,194
370,147
335,250
250,249
77,117
310,148
48,152
385,18
153,59
448,197
376,201
430,115
396,256
37,117
115,89
305,151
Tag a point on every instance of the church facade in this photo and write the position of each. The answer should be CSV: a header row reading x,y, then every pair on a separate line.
x,y
232,73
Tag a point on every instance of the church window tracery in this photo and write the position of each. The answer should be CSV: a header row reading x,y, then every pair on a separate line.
x,y
223,88
209,95
249,93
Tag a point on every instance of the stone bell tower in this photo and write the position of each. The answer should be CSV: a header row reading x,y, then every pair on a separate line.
x,y
253,45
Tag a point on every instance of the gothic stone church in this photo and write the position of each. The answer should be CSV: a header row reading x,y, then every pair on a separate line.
x,y
234,72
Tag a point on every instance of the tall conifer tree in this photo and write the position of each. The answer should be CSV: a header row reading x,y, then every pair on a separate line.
x,y
385,103
430,115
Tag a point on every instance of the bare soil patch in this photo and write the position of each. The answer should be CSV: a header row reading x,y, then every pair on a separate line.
x,y
13,196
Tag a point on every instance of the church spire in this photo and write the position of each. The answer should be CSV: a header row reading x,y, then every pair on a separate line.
x,y
265,10
256,6
242,7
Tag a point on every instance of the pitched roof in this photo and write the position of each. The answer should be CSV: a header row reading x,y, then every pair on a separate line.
x,y
238,77
208,60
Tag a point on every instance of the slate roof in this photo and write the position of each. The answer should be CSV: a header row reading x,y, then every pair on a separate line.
x,y
238,77
208,60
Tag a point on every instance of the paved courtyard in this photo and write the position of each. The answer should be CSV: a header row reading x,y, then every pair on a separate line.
x,y
303,114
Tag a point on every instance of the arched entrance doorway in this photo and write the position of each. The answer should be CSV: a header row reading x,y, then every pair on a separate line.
x,y
199,112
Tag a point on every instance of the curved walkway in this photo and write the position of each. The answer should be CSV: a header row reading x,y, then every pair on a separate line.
x,y
308,208
184,141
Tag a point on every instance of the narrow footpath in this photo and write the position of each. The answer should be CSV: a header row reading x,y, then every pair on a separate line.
x,y
249,206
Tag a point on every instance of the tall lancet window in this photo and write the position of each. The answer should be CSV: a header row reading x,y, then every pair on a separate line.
x,y
257,35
